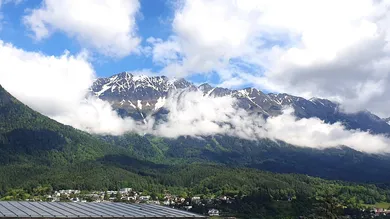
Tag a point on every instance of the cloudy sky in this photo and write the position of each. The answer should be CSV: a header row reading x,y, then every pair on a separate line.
x,y
331,49
51,51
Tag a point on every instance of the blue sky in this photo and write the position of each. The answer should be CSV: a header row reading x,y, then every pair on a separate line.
x,y
152,20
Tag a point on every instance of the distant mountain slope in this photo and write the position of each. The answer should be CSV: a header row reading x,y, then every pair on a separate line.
x,y
333,163
138,96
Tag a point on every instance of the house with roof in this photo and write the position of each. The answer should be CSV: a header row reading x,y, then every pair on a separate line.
x,y
213,212
125,190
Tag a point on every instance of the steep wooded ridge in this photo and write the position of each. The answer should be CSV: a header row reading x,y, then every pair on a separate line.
x,y
138,96
25,131
37,151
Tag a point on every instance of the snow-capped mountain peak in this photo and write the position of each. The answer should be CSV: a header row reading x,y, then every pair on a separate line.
x,y
139,95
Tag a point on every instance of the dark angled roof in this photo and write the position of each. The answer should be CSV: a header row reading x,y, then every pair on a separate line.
x,y
15,209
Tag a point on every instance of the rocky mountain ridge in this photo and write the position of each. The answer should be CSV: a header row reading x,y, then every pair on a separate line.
x,y
138,96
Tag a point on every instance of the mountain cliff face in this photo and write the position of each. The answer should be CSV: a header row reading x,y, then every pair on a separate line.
x,y
138,96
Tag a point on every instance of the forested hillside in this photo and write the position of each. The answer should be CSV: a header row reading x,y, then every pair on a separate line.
x,y
27,136
32,144
333,163
37,151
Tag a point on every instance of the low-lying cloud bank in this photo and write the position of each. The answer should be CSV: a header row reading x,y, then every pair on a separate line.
x,y
58,86
193,114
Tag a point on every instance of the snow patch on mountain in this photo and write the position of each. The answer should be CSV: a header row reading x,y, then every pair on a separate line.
x,y
160,103
132,105
104,88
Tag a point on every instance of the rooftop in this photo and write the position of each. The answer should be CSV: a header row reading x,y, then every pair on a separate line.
x,y
14,209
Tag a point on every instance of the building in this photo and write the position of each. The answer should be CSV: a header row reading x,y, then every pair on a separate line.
x,y
187,207
223,198
69,191
128,198
112,192
125,190
75,199
213,212
91,210
144,198
381,211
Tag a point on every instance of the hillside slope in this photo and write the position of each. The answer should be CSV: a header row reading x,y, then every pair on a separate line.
x,y
334,163
26,135
35,149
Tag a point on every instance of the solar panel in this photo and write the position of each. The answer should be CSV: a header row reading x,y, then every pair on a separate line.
x,y
89,210
52,211
131,210
15,210
114,210
59,209
6,212
35,211
158,211
80,212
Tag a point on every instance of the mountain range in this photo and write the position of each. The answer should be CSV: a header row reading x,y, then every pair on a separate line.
x,y
37,152
138,96
31,139
31,142
142,96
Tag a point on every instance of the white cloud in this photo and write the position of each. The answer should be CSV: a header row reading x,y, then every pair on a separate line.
x,y
315,133
57,86
207,34
344,57
108,26
192,114
164,52
331,49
